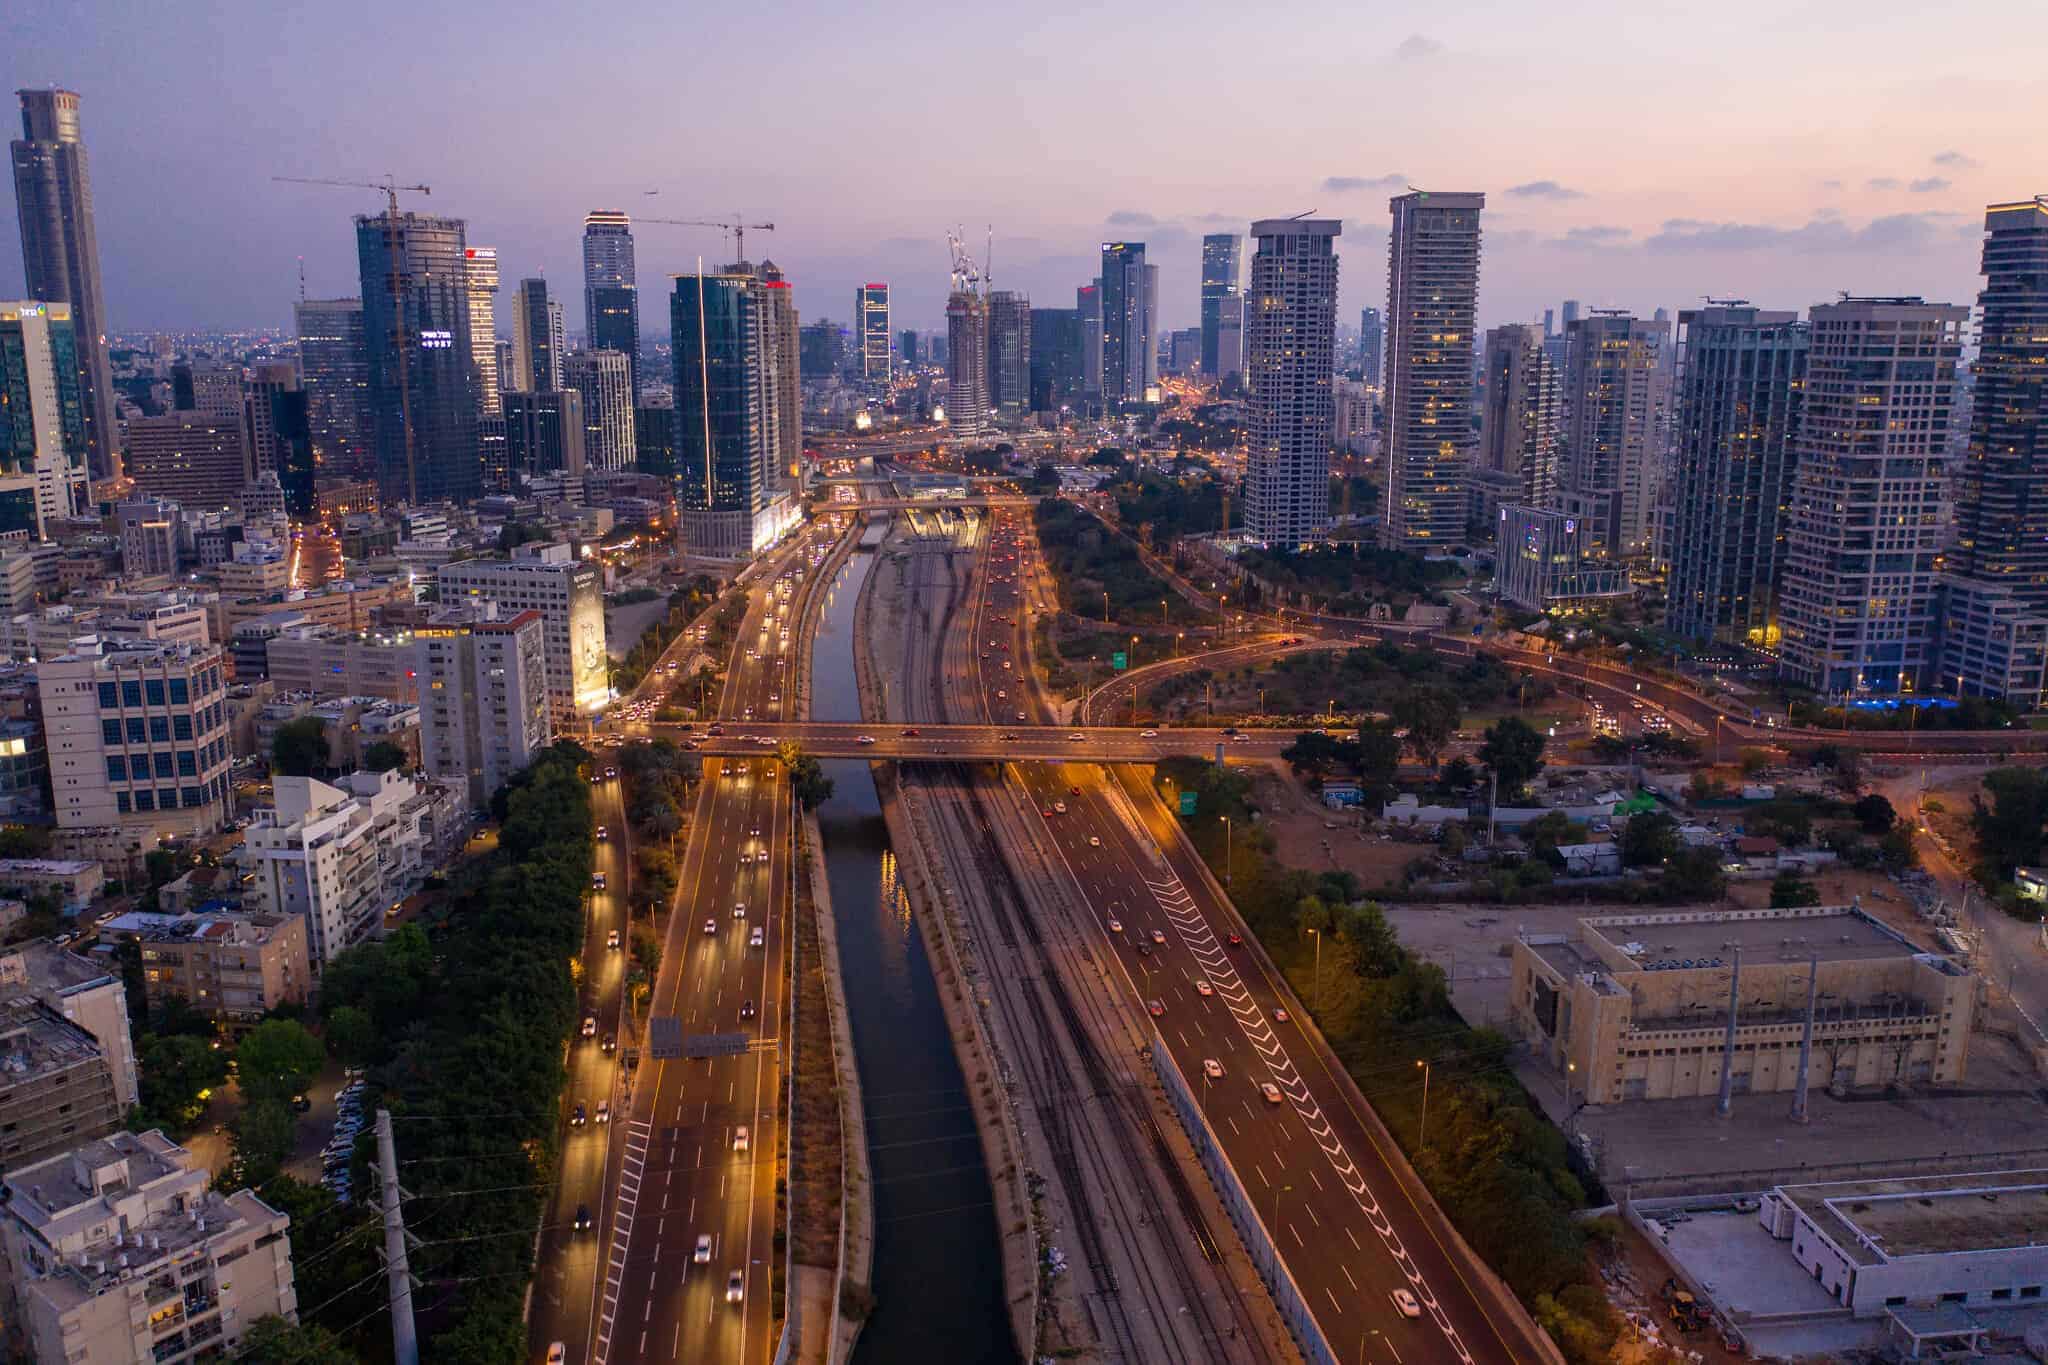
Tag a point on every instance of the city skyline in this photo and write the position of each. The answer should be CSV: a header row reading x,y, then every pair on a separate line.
x,y
1889,201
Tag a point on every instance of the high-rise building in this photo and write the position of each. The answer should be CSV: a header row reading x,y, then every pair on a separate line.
x,y
785,374
611,292
1432,304
1615,392
821,351
1055,359
42,418
654,439
483,697
60,254
215,390
1222,253
909,345
1518,428
195,459
483,325
605,380
871,333
538,339
1740,385
727,354
1571,314
1290,372
546,433
1088,303
493,453
1009,355
419,352
1130,366
569,595
1995,594
139,736
1867,515
1372,336
279,429
334,367
967,360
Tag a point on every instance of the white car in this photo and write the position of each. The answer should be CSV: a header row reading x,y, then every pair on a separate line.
x,y
611,940
589,1026
1212,1068
762,856
602,834
865,739
710,926
735,1288
1203,988
702,1256
604,1111
1077,738
1405,1301
739,1138
1095,841
557,1353
1116,926
1060,807
1148,734
739,910
1271,1092
757,939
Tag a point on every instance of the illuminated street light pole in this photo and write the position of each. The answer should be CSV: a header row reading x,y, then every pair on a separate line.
x,y
1422,1138
1226,850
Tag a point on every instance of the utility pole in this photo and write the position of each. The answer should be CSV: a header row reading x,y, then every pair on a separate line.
x,y
405,1341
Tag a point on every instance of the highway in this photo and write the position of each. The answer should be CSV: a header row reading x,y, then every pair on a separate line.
x,y
953,743
681,1171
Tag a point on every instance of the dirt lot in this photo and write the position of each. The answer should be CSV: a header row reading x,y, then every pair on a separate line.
x,y
1633,1274
1310,836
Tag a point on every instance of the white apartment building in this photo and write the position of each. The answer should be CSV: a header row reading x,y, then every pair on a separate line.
x,y
569,595
117,1252
84,992
483,696
340,856
138,736
605,379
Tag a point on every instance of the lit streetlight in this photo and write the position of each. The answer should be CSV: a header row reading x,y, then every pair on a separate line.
x,y
1422,1138
1226,850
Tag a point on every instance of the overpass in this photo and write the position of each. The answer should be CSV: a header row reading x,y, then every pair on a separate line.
x,y
977,501
953,743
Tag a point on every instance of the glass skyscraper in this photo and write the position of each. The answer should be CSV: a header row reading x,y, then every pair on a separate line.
x,y
415,279
611,294
334,368
728,354
42,417
1221,254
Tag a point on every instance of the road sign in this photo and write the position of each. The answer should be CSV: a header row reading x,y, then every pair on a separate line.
x,y
1119,661
664,1037
715,1045
1187,803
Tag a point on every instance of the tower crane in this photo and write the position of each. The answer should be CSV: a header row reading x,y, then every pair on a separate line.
x,y
733,228
391,189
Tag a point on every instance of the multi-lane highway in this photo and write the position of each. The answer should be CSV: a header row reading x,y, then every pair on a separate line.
x,y
1034,738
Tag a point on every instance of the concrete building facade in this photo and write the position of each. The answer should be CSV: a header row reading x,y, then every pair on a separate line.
x,y
1290,373
1432,309
339,857
569,595
484,714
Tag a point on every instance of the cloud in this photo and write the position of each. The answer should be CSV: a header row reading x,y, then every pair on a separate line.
x,y
1417,47
1589,238
1882,182
1544,189
1897,231
1955,161
1131,218
1346,184
1932,184
1831,184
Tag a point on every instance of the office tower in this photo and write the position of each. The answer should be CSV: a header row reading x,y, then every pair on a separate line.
x,y
605,380
1184,350
785,374
1571,312
139,736
484,712
611,292
215,390
1372,335
654,439
1009,355
569,595
1290,373
1055,359
1230,339
1221,254
42,418
547,433
820,351
1517,461
60,253
493,452
1432,300
538,341
334,368
1995,602
1615,393
198,460
967,362
418,345
279,431
725,354
483,325
1549,323
871,333
1867,515
1088,303
909,344
1740,385
1129,366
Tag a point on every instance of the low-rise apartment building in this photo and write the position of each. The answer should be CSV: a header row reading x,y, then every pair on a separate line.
x,y
375,663
484,710
56,1088
86,991
74,882
235,968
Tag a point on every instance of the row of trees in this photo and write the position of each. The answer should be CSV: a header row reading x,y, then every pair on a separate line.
x,y
1423,723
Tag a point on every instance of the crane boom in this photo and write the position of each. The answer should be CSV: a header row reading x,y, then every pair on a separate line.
x,y
732,227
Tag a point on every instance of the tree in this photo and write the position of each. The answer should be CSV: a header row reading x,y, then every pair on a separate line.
x,y
351,1037
1874,813
1648,840
1379,761
1458,774
277,1058
271,1340
1897,852
1045,478
172,1071
1789,891
263,1139
2009,829
384,756
1313,754
806,776
1430,715
300,749
1514,751
1693,874
1786,819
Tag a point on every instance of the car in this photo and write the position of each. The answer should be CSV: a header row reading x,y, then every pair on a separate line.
x,y
1116,926
746,1009
579,1116
1212,1068
1095,841
611,1042
910,733
739,910
596,776
1405,1301
611,772
602,834
1006,737
583,1218
865,739
597,881
702,1256
589,1026
558,1354
762,856
1148,734
735,1287
739,1138
301,1104
1077,738
710,926
604,1111
1204,989
1159,936
611,940
757,938
715,730
1046,812
1234,940
1073,791
1156,1008
1280,1015
1020,715
1002,695
1060,806
1271,1092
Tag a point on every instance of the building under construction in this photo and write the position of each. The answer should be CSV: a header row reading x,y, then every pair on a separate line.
x,y
1732,1002
966,348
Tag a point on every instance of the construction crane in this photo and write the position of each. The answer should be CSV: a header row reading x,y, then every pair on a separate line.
x,y
734,229
967,277
392,189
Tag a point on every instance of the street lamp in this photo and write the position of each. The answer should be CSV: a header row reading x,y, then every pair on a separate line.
x,y
1162,613
1316,986
1105,608
1422,1138
1226,850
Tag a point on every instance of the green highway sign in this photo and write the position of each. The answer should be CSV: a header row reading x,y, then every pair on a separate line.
x,y
1187,803
1119,661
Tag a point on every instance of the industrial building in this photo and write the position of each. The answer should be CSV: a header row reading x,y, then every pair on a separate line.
x,y
1652,1007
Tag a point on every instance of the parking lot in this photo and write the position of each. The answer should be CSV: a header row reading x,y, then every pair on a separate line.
x,y
330,1127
